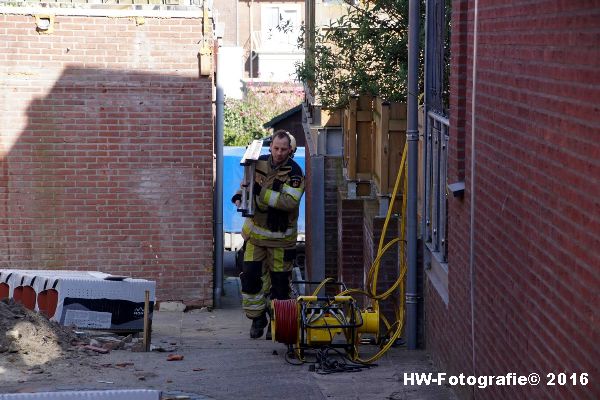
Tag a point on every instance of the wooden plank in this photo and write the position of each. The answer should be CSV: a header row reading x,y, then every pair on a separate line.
x,y
364,116
364,148
345,140
389,136
331,118
397,139
352,141
147,329
397,125
384,150
376,142
363,176
396,144
398,110
364,137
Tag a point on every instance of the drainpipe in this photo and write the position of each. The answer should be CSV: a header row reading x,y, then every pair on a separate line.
x,y
251,57
317,201
219,186
472,203
412,137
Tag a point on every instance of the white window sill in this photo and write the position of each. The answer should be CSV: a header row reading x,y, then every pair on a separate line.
x,y
437,272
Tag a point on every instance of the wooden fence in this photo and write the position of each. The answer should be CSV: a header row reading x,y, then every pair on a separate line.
x,y
389,128
374,137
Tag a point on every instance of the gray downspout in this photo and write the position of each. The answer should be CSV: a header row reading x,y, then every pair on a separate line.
x,y
219,186
316,191
317,199
473,176
251,5
412,137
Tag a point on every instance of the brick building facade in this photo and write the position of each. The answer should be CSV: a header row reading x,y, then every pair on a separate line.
x,y
107,143
523,276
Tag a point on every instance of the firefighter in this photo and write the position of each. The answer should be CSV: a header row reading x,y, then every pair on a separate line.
x,y
270,235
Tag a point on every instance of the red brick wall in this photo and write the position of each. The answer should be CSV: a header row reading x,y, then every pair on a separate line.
x,y
389,264
333,178
107,150
350,257
536,188
448,327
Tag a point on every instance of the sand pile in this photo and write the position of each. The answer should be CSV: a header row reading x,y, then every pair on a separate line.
x,y
31,336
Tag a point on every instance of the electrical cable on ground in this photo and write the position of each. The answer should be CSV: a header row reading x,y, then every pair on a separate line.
x,y
328,363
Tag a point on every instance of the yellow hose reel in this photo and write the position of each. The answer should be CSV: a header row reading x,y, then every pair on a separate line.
x,y
310,322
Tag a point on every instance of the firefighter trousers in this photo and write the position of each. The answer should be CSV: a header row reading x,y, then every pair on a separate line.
x,y
266,275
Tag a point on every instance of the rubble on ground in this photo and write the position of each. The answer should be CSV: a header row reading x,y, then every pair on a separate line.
x,y
29,337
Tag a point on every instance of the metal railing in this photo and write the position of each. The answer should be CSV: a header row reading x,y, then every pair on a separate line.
x,y
436,167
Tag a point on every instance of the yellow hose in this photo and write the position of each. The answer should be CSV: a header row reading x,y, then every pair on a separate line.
x,y
374,270
316,292
373,273
380,250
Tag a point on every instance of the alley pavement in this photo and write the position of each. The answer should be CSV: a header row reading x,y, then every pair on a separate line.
x,y
220,361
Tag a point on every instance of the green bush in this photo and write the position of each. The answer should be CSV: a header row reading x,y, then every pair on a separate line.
x,y
362,52
244,119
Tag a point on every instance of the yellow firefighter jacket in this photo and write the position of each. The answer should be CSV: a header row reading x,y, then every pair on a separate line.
x,y
275,220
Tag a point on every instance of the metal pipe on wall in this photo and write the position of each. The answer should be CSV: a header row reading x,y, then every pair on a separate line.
x,y
219,123
250,56
412,137
472,188
317,199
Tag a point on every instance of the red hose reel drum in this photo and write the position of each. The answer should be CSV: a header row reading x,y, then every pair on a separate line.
x,y
285,321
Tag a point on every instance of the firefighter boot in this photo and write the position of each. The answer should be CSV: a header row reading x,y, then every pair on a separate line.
x,y
258,325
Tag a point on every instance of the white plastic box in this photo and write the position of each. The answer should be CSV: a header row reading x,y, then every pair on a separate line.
x,y
86,299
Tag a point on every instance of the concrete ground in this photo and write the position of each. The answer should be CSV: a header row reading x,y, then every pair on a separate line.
x,y
222,362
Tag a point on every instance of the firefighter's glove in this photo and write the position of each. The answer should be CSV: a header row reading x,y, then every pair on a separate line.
x,y
277,185
257,188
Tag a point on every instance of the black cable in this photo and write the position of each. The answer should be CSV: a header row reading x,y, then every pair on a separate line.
x,y
328,363
288,358
328,360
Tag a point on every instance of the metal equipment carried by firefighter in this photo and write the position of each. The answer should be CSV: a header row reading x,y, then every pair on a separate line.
x,y
311,322
248,161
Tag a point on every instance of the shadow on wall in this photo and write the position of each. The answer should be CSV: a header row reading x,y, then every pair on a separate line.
x,y
112,172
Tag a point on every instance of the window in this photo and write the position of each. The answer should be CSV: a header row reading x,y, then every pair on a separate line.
x,y
280,25
436,167
435,145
